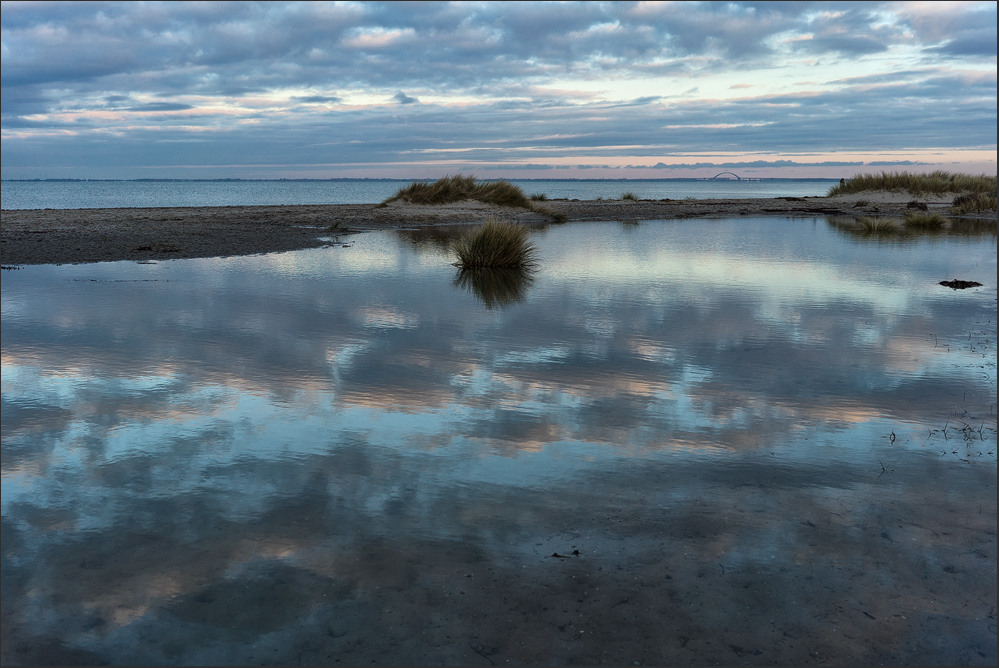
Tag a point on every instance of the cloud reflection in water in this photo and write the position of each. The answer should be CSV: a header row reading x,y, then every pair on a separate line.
x,y
314,426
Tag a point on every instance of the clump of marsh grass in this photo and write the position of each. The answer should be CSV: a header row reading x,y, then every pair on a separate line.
x,y
539,197
974,203
938,182
629,196
916,204
876,225
495,245
924,221
458,188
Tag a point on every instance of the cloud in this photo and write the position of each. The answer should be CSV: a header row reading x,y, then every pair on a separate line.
x,y
519,166
895,163
160,106
955,30
648,99
318,99
972,43
402,98
753,163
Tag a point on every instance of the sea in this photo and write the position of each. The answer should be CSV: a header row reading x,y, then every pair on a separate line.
x,y
85,194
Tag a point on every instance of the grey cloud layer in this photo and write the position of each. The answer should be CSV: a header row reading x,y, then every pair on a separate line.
x,y
445,44
78,60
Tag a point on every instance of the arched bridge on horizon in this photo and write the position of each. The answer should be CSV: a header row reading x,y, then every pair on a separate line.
x,y
737,177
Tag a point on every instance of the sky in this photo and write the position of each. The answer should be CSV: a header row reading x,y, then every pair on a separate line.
x,y
512,90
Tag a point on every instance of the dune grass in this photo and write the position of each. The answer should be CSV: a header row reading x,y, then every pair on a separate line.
x,y
629,196
974,202
458,188
938,182
496,244
924,221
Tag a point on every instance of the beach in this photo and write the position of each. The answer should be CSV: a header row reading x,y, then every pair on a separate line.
x,y
72,236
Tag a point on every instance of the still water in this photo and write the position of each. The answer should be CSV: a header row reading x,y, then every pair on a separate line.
x,y
745,440
115,194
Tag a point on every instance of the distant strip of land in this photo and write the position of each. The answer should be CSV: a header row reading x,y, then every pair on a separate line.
x,y
69,236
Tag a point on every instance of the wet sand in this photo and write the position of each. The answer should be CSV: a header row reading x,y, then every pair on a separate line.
x,y
71,236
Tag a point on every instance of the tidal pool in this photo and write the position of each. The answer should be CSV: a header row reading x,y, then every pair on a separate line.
x,y
747,441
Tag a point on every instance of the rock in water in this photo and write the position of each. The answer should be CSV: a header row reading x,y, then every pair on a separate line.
x,y
960,285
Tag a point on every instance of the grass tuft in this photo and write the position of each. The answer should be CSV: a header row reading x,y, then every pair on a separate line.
x,y
629,196
974,202
938,182
458,188
876,225
495,244
924,221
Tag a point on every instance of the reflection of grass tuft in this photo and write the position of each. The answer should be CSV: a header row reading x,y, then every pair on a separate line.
x,y
974,202
495,244
886,229
924,221
495,287
973,227
459,188
629,196
938,182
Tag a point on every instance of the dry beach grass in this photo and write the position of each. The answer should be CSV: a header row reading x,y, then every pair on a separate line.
x,y
496,244
937,183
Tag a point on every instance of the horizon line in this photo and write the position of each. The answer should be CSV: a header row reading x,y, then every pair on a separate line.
x,y
347,178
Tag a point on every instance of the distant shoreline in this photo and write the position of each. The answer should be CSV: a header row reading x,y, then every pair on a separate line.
x,y
73,236
342,179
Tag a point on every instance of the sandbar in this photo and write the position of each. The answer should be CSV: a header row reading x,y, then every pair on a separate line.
x,y
72,236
